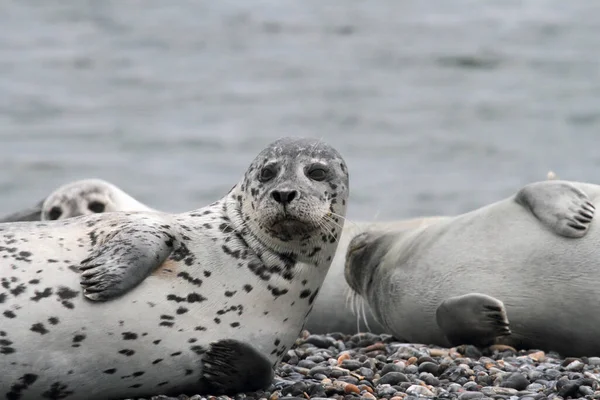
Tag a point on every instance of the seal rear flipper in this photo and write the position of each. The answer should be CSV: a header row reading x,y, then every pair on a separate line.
x,y
30,214
230,366
559,205
123,261
473,318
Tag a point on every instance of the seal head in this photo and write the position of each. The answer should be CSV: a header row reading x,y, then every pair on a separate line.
x,y
363,257
82,197
294,189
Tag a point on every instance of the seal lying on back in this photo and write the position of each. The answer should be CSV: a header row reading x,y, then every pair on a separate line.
x,y
532,259
206,301
82,197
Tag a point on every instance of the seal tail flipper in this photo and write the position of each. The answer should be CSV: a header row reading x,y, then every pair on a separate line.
x,y
29,214
559,205
473,318
230,366
123,261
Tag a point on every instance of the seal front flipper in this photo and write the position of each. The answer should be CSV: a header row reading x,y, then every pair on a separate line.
x,y
230,366
559,205
472,318
124,260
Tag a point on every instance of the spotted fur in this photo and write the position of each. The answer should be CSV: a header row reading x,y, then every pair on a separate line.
x,y
242,268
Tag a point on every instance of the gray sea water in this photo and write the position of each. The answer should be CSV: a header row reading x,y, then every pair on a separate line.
x,y
438,106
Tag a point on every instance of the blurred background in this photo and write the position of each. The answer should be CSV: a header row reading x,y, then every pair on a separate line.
x,y
438,106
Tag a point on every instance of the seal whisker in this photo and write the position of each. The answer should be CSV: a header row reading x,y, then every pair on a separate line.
x,y
364,315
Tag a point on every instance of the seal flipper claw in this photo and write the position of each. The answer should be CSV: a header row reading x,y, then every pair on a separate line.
x,y
559,205
230,366
472,318
123,261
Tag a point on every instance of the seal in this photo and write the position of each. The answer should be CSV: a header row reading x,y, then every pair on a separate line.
x,y
515,272
82,197
144,303
335,309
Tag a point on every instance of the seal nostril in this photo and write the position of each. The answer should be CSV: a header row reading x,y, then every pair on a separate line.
x,y
291,196
276,196
284,196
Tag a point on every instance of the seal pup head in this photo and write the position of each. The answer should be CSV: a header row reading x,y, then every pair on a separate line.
x,y
83,197
294,193
363,257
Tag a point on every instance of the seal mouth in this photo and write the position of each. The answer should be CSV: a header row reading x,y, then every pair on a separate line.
x,y
289,227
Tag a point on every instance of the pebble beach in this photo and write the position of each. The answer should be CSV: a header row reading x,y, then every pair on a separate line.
x,y
368,366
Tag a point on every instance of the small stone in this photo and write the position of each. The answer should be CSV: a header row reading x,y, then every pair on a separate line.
x,y
411,360
515,381
418,390
306,364
537,356
575,366
343,356
368,396
351,364
391,368
595,361
430,367
374,347
318,341
438,352
470,395
366,372
350,388
454,388
491,391
586,390
393,378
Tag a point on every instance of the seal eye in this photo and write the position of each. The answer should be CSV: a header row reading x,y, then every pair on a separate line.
x,y
55,213
266,174
317,173
96,206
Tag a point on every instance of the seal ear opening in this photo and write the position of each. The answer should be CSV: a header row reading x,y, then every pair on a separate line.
x,y
29,214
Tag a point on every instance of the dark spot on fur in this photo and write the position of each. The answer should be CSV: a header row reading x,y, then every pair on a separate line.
x,y
110,371
157,361
178,353
247,288
127,352
305,293
58,390
156,341
129,336
78,338
65,293
235,324
181,310
53,320
41,295
39,328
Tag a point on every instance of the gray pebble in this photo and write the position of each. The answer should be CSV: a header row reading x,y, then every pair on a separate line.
x,y
470,395
393,378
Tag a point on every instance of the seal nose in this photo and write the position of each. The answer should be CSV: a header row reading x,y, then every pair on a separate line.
x,y
284,196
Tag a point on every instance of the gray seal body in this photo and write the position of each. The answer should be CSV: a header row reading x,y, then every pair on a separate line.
x,y
524,271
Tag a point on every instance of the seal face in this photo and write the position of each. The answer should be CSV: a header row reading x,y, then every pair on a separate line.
x,y
83,197
135,304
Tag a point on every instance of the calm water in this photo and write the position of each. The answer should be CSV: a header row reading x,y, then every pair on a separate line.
x,y
438,106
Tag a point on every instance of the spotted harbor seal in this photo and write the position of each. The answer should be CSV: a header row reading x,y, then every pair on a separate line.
x,y
82,197
532,259
146,303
